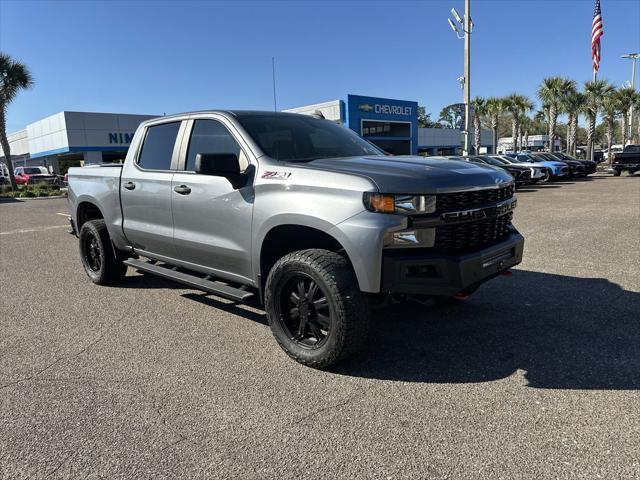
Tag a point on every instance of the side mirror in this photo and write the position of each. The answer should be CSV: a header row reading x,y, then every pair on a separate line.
x,y
224,165
217,164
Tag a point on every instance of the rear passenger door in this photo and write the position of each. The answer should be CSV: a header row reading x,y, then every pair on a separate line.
x,y
145,190
212,219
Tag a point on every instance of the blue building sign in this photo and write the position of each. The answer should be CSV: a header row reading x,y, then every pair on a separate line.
x,y
390,124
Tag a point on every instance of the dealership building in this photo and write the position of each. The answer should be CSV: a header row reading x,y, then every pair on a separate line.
x,y
74,138
392,125
77,138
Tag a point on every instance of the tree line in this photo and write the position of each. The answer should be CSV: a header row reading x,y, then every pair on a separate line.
x,y
515,114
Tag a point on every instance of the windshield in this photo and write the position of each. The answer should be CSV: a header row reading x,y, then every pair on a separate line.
x,y
632,149
300,138
35,170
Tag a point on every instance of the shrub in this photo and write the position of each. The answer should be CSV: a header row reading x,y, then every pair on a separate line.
x,y
26,193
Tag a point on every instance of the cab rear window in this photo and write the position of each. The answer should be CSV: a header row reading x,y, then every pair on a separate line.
x,y
157,148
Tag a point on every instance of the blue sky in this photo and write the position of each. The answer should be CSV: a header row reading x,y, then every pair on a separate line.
x,y
154,57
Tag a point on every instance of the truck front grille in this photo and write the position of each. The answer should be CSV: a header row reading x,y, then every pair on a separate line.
x,y
470,236
464,200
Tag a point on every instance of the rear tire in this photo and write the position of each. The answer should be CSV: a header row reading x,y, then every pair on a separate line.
x,y
97,255
616,173
315,309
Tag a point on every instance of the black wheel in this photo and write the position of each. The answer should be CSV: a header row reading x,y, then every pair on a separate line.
x,y
616,173
96,253
315,308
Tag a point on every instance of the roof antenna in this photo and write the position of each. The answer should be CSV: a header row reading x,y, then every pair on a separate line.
x,y
273,72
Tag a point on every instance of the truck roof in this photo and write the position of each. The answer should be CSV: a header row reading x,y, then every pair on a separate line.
x,y
235,113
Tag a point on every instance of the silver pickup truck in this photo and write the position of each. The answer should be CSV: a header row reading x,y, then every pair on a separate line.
x,y
295,213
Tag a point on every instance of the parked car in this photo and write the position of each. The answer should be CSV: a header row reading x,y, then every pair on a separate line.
x,y
589,165
615,149
4,174
627,161
576,169
297,211
34,175
558,170
521,175
539,173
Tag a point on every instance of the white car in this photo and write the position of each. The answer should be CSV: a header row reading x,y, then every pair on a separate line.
x,y
539,172
4,174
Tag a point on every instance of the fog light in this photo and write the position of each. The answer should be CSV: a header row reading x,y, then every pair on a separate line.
x,y
423,237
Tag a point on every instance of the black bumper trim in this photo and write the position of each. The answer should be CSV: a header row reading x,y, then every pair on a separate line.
x,y
437,274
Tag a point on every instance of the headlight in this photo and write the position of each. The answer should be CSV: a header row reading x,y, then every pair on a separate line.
x,y
402,204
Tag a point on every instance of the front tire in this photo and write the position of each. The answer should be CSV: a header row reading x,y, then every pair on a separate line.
x,y
616,173
97,255
315,309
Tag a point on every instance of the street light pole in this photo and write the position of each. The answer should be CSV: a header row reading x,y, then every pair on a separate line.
x,y
467,26
633,57
467,76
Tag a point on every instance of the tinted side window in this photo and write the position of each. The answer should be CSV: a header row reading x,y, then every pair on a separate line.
x,y
157,148
210,136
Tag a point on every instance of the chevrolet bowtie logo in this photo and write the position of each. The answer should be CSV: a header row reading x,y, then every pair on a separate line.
x,y
365,107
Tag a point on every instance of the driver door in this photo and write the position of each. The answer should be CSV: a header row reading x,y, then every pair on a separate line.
x,y
212,219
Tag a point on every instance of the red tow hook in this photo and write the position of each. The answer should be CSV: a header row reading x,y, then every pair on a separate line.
x,y
462,296
507,273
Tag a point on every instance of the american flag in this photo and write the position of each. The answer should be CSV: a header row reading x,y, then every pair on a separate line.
x,y
596,33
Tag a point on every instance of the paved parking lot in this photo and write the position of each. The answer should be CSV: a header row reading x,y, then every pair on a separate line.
x,y
536,376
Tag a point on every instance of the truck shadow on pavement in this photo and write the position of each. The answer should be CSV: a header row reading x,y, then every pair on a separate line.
x,y
560,332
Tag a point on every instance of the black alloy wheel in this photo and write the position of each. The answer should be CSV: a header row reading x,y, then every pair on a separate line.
x,y
92,252
304,311
315,309
97,254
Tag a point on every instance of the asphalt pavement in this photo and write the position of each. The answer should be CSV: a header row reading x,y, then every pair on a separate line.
x,y
537,375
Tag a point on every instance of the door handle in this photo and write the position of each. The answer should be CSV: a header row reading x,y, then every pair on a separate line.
x,y
129,185
182,190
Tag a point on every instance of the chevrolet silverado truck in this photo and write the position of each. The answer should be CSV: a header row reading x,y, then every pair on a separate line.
x,y
295,214
628,160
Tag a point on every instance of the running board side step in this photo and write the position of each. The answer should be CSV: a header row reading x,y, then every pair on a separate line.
x,y
216,288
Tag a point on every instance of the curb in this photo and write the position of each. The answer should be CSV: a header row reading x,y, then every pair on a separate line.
x,y
30,198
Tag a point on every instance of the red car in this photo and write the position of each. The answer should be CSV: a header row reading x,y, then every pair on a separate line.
x,y
33,175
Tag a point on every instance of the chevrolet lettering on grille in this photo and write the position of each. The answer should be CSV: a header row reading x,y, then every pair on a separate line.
x,y
480,213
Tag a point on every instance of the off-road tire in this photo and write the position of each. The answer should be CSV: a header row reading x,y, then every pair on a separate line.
x,y
110,271
348,307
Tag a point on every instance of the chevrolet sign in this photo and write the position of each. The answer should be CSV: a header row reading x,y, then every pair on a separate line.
x,y
385,109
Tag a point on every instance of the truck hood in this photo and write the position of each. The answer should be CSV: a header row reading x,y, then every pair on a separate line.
x,y
414,174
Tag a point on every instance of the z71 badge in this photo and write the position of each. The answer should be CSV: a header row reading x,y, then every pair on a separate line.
x,y
276,175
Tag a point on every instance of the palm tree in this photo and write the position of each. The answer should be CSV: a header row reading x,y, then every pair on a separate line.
x,y
594,93
14,76
625,98
552,91
479,110
610,109
494,108
518,106
572,106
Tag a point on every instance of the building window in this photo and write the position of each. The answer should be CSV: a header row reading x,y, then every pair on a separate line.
x,y
386,129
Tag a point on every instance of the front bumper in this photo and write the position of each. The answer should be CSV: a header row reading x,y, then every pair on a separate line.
x,y
431,273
